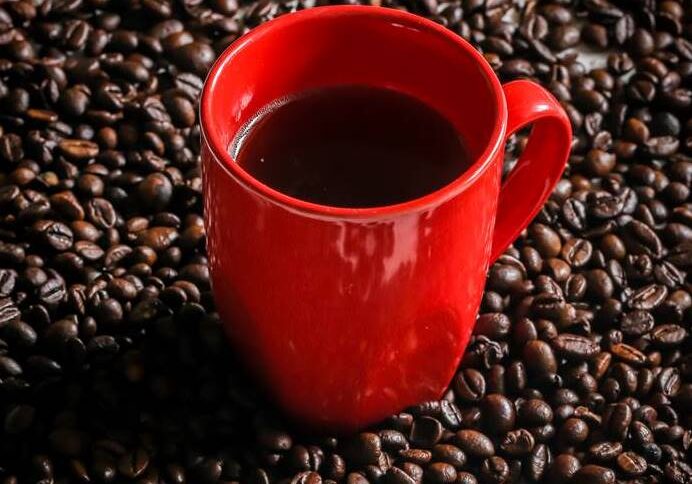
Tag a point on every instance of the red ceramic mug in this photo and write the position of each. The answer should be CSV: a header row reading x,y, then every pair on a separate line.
x,y
347,315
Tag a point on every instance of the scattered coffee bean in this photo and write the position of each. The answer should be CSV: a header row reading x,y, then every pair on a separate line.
x,y
578,370
475,443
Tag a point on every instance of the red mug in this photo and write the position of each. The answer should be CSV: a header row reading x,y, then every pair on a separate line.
x,y
347,315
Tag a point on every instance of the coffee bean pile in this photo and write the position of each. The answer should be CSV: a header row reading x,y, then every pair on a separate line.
x,y
113,367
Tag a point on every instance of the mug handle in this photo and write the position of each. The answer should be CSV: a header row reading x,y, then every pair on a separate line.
x,y
539,167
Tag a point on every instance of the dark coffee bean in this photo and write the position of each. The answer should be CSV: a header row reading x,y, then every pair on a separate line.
x,y
505,277
517,443
469,385
301,459
104,114
636,323
416,456
678,471
661,146
493,325
668,381
155,191
574,431
564,36
539,462
631,464
56,235
78,149
668,335
440,473
575,346
395,475
101,213
494,470
599,284
450,415
577,252
648,297
366,448
413,470
605,206
475,443
449,454
8,312
618,421
274,440
499,414
574,214
605,451
563,468
593,474
19,419
425,432
539,358
516,68
158,238
194,56
596,35
466,478
546,240
641,434
640,239
535,412
393,440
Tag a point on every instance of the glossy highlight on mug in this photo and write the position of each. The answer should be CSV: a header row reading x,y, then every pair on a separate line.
x,y
347,315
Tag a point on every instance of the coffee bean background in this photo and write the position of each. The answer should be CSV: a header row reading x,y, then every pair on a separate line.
x,y
113,367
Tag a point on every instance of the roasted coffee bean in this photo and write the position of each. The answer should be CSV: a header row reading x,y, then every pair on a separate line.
x,y
466,478
105,290
539,358
539,462
593,474
475,443
547,241
574,431
668,381
499,414
517,443
441,473
425,432
631,464
668,335
494,470
575,346
416,456
366,448
535,412
605,451
396,476
469,385
618,421
563,468
648,297
493,325
636,323
450,454
577,252
628,353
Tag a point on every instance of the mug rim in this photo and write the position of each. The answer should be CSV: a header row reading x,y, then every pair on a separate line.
x,y
212,138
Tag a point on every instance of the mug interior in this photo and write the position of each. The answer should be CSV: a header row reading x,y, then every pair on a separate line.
x,y
370,46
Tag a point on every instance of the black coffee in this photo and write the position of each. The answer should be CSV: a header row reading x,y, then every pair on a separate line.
x,y
352,146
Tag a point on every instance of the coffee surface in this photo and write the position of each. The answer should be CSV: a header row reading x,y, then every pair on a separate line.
x,y
352,146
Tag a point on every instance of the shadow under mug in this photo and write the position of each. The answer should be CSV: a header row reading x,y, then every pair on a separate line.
x,y
347,315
